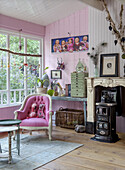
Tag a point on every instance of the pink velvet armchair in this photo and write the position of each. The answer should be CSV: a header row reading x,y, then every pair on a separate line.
x,y
36,123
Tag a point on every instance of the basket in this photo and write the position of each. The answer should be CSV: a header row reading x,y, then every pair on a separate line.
x,y
69,118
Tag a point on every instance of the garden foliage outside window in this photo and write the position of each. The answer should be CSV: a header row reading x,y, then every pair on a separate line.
x,y
18,73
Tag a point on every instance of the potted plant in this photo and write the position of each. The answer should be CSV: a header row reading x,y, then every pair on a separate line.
x,y
44,83
50,92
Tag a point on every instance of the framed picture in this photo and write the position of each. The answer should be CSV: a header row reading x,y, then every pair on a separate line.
x,y
70,44
109,65
56,74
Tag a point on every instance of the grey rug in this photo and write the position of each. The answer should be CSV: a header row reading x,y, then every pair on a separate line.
x,y
35,152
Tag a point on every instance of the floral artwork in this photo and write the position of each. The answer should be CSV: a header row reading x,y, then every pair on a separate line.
x,y
70,44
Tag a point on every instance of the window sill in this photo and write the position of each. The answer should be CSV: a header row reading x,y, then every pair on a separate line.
x,y
10,105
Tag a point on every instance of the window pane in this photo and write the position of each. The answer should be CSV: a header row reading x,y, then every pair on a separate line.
x,y
4,98
3,41
3,70
16,72
32,71
14,44
16,64
3,62
33,47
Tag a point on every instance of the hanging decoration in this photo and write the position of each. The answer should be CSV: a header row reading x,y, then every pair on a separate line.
x,y
14,62
94,56
118,32
20,54
2,62
60,65
20,46
8,65
25,64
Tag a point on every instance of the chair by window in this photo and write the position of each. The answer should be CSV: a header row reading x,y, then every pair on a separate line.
x,y
36,121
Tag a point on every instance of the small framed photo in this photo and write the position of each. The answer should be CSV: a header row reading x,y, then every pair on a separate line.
x,y
56,74
109,65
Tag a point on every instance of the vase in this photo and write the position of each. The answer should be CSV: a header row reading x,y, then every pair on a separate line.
x,y
41,90
96,72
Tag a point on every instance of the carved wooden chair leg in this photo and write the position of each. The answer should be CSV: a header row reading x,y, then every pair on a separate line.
x,y
50,133
46,131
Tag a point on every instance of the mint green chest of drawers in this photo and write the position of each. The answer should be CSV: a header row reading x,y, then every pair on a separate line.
x,y
78,84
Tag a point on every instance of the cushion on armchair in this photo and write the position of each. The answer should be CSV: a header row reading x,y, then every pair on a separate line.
x,y
23,114
33,112
34,122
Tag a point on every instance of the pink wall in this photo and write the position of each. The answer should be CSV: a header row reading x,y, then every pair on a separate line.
x,y
16,24
76,24
8,112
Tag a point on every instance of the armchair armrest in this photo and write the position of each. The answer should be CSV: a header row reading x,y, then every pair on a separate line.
x,y
20,114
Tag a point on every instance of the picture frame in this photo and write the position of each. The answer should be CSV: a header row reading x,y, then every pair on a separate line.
x,y
109,65
70,44
56,74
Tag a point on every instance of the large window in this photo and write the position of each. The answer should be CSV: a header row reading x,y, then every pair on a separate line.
x,y
18,74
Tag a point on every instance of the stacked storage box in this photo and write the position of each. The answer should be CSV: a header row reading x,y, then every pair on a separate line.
x,y
78,84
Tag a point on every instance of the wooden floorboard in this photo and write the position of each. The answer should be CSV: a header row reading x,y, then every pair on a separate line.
x,y
93,155
84,163
60,165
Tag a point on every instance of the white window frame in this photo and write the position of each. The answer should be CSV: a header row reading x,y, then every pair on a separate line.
x,y
25,89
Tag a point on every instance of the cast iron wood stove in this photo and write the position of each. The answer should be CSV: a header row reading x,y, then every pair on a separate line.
x,y
106,122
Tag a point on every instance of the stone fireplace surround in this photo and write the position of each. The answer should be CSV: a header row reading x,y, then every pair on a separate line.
x,y
92,83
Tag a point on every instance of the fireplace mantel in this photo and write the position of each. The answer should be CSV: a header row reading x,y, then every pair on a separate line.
x,y
91,84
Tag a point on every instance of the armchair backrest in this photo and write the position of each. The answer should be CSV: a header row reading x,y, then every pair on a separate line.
x,y
38,99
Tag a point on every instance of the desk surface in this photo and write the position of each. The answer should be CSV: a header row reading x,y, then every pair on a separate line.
x,y
66,98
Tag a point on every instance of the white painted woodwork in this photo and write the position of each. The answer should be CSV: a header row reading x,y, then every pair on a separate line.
x,y
25,69
101,81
